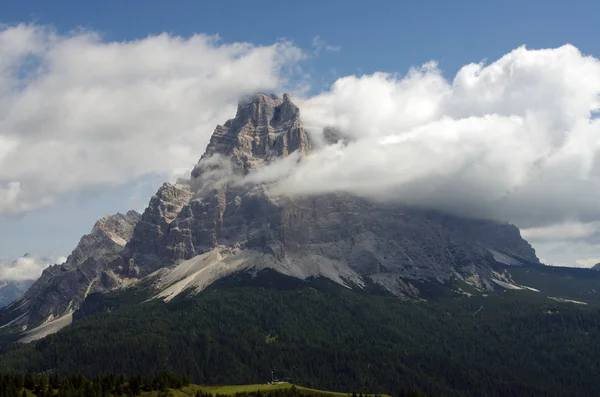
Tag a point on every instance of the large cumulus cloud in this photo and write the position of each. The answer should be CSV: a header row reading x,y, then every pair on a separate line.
x,y
515,139
77,112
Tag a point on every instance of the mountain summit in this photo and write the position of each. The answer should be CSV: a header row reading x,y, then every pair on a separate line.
x,y
265,127
197,231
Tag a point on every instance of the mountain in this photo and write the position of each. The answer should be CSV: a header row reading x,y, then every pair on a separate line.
x,y
219,223
596,266
93,266
19,275
12,290
225,280
214,225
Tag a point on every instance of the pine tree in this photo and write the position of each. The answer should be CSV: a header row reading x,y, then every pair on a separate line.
x,y
29,382
54,381
42,386
135,385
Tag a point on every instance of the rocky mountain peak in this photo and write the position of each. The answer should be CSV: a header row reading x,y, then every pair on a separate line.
x,y
210,226
118,227
257,109
92,267
266,127
108,236
110,233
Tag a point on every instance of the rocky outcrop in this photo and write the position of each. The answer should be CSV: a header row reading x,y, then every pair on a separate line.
x,y
94,265
265,128
351,241
149,242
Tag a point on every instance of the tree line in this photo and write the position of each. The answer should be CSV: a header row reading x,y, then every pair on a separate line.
x,y
49,385
109,385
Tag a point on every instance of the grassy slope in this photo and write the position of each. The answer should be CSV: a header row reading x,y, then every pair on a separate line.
x,y
190,390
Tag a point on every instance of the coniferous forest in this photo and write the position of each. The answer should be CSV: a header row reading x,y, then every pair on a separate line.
x,y
162,384
323,336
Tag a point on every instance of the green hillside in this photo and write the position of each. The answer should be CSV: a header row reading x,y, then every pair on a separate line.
x,y
324,336
162,384
228,390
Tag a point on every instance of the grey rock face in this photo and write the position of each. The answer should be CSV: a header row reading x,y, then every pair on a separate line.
x,y
386,244
149,240
265,128
109,234
94,265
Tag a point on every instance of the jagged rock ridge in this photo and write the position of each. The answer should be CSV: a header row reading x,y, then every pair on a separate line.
x,y
199,230
93,266
200,217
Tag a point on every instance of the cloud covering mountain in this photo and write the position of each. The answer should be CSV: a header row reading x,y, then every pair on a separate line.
x,y
77,112
514,139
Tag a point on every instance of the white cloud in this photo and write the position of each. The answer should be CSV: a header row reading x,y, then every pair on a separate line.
x,y
561,231
77,112
27,267
588,262
318,45
566,244
513,140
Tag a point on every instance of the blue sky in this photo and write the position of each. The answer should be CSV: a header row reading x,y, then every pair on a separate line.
x,y
378,35
357,38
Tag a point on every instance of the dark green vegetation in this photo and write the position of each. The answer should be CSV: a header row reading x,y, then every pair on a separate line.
x,y
162,384
17,385
321,335
566,282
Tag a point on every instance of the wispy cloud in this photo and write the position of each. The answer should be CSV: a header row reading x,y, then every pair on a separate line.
x,y
27,267
318,45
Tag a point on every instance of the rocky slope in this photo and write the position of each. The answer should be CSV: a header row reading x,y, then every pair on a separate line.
x,y
214,224
93,266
